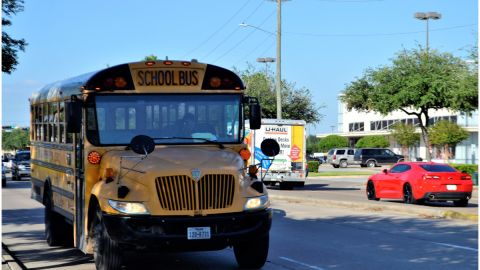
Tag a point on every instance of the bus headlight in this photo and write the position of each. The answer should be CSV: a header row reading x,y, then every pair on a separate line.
x,y
257,203
134,208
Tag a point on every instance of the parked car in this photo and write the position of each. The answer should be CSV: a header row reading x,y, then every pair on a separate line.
x,y
372,157
341,157
4,177
416,182
21,165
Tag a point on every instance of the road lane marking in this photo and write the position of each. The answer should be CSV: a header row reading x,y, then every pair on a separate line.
x,y
301,263
455,246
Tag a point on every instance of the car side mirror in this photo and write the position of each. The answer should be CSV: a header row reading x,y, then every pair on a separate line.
x,y
73,115
385,171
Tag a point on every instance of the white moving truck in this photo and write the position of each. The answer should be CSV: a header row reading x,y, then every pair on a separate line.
x,y
289,166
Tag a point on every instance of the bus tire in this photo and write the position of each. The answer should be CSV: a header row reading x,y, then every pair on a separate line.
x,y
252,254
106,252
57,231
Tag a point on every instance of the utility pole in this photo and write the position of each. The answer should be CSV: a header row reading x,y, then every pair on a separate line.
x,y
278,79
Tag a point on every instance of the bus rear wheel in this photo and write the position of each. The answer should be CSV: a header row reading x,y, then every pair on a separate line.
x,y
57,231
252,254
106,252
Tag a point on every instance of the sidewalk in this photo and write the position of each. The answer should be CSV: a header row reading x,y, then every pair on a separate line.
x,y
350,193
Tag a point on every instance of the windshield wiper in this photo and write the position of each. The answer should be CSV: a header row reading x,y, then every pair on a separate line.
x,y
220,145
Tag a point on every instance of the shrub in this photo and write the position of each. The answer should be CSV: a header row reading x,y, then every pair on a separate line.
x,y
313,166
468,168
372,141
332,141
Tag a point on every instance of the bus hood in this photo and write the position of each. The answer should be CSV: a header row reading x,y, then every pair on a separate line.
x,y
175,160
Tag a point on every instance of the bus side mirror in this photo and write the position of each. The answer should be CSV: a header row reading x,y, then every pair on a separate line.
x,y
255,116
73,115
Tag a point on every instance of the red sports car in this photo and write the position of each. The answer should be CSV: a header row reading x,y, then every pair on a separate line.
x,y
416,182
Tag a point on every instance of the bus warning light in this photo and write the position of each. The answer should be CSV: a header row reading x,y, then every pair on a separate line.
x,y
215,82
245,154
150,63
186,64
94,157
120,82
167,62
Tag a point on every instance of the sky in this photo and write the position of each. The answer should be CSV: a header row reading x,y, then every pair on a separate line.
x,y
326,44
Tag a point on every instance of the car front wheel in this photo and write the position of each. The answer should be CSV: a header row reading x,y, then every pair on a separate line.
x,y
371,195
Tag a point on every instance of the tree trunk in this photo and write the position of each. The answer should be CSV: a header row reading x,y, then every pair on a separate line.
x,y
426,141
405,153
446,153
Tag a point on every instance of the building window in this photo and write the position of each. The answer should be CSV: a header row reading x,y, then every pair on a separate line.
x,y
353,127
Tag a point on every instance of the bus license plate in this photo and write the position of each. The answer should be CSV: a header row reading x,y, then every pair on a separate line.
x,y
195,233
451,187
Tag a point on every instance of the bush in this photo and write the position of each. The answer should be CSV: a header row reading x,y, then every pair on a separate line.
x,y
469,168
332,141
313,166
372,141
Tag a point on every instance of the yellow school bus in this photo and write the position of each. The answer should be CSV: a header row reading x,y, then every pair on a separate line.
x,y
149,156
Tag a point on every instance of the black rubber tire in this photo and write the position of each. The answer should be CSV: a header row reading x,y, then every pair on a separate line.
x,y
286,186
461,203
4,182
57,231
363,165
336,166
252,254
371,195
106,252
343,164
408,197
371,164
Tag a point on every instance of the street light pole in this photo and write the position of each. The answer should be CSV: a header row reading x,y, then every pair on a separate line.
x,y
266,60
278,79
425,16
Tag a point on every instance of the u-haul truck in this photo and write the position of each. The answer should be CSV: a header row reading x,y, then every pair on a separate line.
x,y
289,166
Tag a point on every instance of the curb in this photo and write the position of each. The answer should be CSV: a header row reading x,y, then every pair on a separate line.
x,y
383,206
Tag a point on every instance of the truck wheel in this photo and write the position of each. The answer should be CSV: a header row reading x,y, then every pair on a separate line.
x,y
106,252
335,166
371,164
252,254
343,163
286,186
57,231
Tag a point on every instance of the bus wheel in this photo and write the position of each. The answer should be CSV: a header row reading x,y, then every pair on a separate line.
x,y
106,252
252,254
57,231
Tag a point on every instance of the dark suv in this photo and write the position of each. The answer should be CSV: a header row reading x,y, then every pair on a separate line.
x,y
371,157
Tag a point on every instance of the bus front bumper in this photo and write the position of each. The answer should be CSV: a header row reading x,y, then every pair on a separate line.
x,y
170,233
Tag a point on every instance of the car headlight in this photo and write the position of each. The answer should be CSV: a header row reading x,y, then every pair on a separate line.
x,y
21,167
133,208
257,203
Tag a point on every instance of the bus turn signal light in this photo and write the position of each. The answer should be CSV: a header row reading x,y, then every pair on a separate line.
x,y
245,154
94,157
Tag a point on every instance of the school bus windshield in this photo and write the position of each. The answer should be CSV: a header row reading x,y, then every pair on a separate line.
x,y
172,118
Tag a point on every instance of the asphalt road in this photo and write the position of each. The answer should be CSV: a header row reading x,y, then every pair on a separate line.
x,y
304,235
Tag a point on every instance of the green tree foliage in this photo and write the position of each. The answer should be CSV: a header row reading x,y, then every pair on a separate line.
x,y
416,82
10,46
297,103
150,57
15,140
312,144
332,141
372,141
447,134
405,136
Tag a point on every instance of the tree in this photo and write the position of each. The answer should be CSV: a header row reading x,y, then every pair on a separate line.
x,y
297,103
10,46
372,141
15,140
417,82
312,144
332,141
150,57
447,134
405,136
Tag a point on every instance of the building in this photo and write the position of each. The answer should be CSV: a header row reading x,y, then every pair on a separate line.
x,y
355,125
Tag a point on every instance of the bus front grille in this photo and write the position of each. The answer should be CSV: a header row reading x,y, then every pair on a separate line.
x,y
212,191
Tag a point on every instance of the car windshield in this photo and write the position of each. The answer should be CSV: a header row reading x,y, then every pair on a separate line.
x,y
22,156
171,119
437,168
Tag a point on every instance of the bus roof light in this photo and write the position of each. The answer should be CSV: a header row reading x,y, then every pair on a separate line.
x,y
167,62
120,82
186,64
150,63
215,82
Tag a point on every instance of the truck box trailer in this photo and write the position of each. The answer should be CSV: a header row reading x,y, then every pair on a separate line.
x,y
288,168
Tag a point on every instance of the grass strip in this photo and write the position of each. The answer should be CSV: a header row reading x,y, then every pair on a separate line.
x,y
339,173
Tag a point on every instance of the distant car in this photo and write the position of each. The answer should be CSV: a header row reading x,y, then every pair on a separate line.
x,y
417,182
21,165
4,177
341,157
372,157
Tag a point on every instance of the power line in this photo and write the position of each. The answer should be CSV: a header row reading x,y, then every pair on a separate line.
x,y
378,34
218,30
233,32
